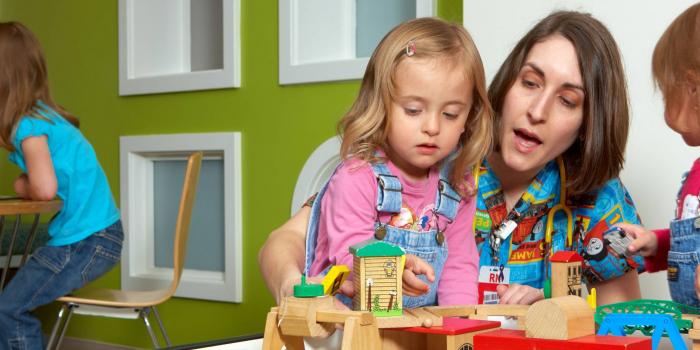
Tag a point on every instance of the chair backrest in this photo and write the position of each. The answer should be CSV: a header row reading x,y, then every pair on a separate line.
x,y
184,216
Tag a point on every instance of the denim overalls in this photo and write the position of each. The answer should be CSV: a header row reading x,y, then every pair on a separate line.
x,y
430,246
683,257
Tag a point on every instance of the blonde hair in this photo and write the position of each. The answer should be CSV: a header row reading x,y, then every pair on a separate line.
x,y
364,128
676,59
23,80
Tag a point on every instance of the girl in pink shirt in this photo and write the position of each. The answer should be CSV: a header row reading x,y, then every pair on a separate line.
x,y
420,122
676,68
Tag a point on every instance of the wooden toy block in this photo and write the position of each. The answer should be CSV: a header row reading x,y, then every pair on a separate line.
x,y
696,322
694,334
560,318
566,273
297,316
501,310
452,311
454,334
378,271
508,339
358,336
411,318
339,316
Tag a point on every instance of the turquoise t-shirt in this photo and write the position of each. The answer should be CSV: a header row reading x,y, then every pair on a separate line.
x,y
88,204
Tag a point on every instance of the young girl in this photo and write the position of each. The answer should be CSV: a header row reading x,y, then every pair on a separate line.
x,y
403,173
56,160
676,69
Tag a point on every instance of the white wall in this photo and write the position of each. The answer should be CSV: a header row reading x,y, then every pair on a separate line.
x,y
656,156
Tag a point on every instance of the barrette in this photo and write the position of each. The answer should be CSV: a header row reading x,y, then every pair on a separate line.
x,y
411,48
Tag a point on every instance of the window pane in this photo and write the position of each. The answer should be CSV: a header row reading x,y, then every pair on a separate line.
x,y
205,248
376,18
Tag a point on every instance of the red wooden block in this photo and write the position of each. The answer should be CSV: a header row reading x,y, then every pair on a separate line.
x,y
455,325
509,339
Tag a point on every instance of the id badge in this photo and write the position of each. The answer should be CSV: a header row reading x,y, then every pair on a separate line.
x,y
489,278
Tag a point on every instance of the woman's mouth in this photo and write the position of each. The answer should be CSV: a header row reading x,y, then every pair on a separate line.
x,y
526,141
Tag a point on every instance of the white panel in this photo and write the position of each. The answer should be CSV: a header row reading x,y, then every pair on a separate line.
x,y
155,48
137,154
332,23
329,37
652,173
160,45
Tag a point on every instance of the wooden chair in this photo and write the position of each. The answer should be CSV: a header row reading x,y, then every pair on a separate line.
x,y
135,304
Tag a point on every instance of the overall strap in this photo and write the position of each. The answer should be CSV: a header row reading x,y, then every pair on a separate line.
x,y
312,227
388,189
447,199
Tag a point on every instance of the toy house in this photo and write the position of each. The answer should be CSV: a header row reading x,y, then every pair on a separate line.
x,y
566,273
378,268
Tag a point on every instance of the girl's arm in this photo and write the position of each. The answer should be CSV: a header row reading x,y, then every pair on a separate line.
x,y
40,181
282,256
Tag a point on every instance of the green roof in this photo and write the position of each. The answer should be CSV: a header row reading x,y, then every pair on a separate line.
x,y
374,247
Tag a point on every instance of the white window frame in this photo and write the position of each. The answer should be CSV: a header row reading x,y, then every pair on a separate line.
x,y
227,77
137,155
292,72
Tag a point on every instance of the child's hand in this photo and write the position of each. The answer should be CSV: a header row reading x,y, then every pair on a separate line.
x,y
287,289
518,294
20,185
644,243
412,285
697,281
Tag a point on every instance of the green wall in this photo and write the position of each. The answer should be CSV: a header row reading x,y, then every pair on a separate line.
x,y
280,126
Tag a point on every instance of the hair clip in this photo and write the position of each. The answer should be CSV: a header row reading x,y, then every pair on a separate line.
x,y
411,48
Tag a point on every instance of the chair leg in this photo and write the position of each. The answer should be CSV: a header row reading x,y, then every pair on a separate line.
x,y
162,329
56,326
60,327
144,315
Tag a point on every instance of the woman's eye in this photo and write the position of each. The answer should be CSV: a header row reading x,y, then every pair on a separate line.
x,y
411,111
567,103
529,84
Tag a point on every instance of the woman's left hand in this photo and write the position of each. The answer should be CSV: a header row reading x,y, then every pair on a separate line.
x,y
518,294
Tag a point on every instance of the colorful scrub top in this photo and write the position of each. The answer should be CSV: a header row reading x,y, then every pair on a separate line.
x,y
523,251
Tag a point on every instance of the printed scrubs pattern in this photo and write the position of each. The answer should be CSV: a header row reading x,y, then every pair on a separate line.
x,y
523,251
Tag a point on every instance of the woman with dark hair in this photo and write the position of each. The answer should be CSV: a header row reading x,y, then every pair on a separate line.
x,y
551,182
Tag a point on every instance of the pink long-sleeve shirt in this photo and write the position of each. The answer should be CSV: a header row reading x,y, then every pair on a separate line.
x,y
348,215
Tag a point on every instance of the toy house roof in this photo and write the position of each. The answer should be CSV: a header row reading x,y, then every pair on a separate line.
x,y
565,256
374,247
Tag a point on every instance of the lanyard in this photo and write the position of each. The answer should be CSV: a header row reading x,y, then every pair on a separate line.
x,y
503,230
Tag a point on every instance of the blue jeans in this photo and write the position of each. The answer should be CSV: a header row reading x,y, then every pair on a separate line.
x,y
682,260
50,273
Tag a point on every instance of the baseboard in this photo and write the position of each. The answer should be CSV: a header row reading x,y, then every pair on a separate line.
x,y
85,344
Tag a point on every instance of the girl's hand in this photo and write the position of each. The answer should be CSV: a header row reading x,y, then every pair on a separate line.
x,y
20,185
412,285
518,294
287,289
697,281
644,243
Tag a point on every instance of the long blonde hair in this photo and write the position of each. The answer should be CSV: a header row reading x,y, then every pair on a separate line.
x,y
364,128
23,80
